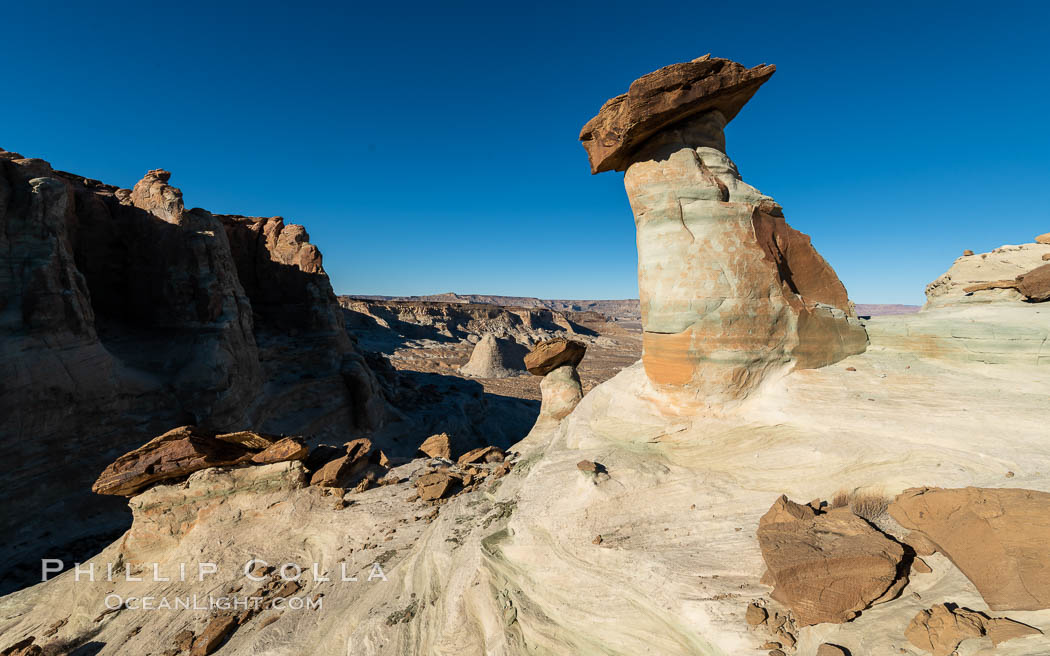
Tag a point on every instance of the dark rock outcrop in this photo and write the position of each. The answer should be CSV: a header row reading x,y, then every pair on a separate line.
x,y
125,314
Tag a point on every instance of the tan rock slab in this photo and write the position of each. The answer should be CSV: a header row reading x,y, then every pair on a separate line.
x,y
175,454
826,567
437,446
553,353
288,448
483,454
213,635
997,537
941,629
433,486
657,101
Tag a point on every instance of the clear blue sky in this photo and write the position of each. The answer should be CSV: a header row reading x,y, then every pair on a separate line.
x,y
431,147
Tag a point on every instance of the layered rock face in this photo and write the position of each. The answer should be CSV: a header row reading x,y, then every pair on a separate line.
x,y
1009,273
987,307
728,290
442,320
124,314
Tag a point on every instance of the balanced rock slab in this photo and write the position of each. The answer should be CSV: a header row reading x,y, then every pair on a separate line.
x,y
827,567
997,537
175,454
553,353
665,97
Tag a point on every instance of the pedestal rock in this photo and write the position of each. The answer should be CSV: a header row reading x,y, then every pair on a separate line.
x,y
729,291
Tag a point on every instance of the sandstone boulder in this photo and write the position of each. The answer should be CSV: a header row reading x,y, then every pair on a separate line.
x,y
175,454
338,472
664,97
483,454
941,629
1043,238
437,446
1035,285
494,358
828,649
827,567
288,448
997,537
553,353
434,485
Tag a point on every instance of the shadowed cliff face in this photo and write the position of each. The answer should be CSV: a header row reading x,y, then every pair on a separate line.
x,y
122,315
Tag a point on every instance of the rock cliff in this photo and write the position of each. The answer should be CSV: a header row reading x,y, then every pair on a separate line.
x,y
124,314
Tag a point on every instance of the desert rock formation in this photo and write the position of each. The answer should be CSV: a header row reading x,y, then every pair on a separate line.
x,y
986,308
125,314
729,291
653,515
549,355
494,358
991,277
556,360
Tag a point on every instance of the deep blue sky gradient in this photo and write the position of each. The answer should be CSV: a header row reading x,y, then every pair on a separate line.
x,y
431,147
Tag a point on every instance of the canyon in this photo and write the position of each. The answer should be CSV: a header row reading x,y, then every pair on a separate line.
x,y
740,461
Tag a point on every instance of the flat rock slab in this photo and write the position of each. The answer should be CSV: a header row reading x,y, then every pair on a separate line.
x,y
553,353
827,567
337,472
997,537
175,454
483,454
660,99
941,629
288,448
